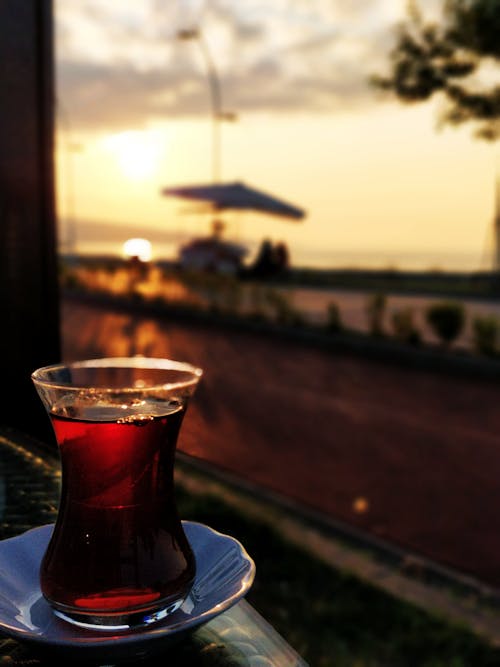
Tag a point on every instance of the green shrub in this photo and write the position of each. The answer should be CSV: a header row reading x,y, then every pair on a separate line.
x,y
403,326
375,310
233,295
256,302
446,319
485,334
333,319
283,310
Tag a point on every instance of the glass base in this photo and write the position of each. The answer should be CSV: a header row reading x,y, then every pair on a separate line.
x,y
118,621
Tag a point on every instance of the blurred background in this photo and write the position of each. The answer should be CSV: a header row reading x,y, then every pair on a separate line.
x,y
289,88
304,200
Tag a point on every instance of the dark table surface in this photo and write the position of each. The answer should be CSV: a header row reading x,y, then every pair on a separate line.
x,y
29,493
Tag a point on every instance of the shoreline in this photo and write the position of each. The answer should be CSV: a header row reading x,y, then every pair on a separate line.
x,y
465,285
460,284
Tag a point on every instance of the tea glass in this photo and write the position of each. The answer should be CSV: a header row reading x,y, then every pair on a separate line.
x,y
118,557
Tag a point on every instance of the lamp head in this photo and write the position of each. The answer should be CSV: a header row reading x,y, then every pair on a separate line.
x,y
188,33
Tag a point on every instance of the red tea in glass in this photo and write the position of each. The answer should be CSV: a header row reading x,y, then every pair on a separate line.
x,y
118,557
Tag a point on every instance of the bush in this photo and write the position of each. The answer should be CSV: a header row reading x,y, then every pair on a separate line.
x,y
333,320
485,334
404,327
447,320
284,311
256,299
375,310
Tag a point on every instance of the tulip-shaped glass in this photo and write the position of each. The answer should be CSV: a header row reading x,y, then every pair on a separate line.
x,y
118,557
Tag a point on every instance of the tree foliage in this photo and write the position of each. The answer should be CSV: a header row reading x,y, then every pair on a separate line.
x,y
459,58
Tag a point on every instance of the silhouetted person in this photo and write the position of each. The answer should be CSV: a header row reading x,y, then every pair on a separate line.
x,y
281,257
264,262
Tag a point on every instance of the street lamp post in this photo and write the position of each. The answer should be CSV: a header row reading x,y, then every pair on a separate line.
x,y
218,114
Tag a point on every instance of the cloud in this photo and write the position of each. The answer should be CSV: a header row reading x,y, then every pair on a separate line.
x,y
121,65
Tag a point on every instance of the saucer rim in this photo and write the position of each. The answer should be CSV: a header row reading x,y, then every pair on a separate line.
x,y
94,639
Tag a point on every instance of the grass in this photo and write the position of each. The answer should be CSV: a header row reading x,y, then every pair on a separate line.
x,y
333,618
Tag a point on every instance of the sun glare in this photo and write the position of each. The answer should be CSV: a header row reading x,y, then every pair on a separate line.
x,y
138,153
140,248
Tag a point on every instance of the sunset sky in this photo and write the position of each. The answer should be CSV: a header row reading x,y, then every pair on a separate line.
x,y
381,185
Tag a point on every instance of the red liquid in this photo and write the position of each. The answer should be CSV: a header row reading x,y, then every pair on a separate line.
x,y
118,544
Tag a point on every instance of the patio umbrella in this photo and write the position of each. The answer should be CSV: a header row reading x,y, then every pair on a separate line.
x,y
236,196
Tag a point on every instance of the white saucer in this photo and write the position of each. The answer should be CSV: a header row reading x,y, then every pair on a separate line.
x,y
224,574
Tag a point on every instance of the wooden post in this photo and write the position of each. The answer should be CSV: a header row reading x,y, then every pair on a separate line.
x,y
29,299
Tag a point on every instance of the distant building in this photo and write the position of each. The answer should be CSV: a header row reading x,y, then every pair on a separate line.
x,y
212,254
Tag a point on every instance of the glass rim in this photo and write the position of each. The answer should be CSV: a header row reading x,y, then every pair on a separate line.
x,y
135,362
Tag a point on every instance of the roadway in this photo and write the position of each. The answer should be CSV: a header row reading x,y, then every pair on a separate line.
x,y
410,456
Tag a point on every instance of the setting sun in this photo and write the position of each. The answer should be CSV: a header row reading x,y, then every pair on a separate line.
x,y
138,153
140,248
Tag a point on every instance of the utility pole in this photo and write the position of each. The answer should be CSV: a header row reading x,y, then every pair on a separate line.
x,y
218,113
